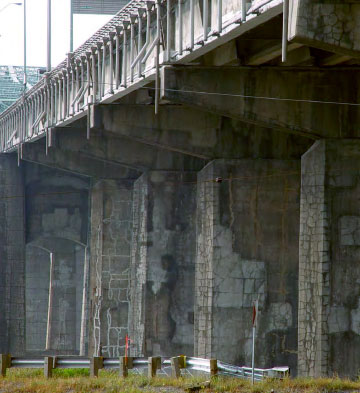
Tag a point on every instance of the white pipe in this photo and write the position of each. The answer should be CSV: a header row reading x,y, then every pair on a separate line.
x,y
50,303
168,29
117,58
192,17
111,54
140,13
285,30
147,40
132,33
219,16
84,304
125,44
148,53
243,10
205,19
180,28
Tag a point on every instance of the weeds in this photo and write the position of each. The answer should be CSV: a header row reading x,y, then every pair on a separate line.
x,y
78,381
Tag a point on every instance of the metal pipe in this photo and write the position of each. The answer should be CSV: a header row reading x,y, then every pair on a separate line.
x,y
205,19
219,27
50,303
84,305
140,14
99,69
168,29
152,46
243,10
132,32
111,63
48,35
94,76
157,65
285,30
117,58
125,44
25,71
180,27
103,74
71,26
192,17
147,40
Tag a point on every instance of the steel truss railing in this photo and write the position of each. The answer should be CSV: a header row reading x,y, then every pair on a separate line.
x,y
139,365
125,54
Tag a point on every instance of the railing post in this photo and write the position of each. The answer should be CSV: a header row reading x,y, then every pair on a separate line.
x,y
96,363
213,367
154,363
123,372
48,366
175,367
5,361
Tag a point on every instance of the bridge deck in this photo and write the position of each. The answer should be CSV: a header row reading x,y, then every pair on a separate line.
x,y
126,54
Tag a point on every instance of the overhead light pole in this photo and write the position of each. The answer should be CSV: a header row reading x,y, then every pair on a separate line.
x,y
7,5
48,35
25,72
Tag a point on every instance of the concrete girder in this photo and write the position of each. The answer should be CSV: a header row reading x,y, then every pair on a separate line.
x,y
195,133
75,162
125,152
288,91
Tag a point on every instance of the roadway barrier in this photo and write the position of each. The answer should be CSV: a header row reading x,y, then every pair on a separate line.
x,y
176,366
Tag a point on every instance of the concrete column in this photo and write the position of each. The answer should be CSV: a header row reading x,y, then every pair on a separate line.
x,y
12,241
162,264
247,249
111,225
329,287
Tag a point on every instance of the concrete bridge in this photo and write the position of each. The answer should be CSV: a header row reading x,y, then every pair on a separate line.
x,y
190,157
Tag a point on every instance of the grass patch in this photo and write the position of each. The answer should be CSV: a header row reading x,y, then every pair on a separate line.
x,y
78,381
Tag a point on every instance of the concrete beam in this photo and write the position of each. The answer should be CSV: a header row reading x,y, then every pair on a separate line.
x,y
284,99
194,133
75,162
269,53
125,152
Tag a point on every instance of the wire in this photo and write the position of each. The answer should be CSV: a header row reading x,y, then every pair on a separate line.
x,y
301,100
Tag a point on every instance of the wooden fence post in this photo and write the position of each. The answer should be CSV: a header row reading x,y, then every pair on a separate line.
x,y
5,362
154,363
123,367
96,363
175,367
48,366
213,367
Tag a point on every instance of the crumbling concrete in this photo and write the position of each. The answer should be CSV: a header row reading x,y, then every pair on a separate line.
x,y
163,264
247,249
329,248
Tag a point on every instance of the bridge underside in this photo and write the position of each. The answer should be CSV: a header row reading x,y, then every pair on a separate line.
x,y
244,186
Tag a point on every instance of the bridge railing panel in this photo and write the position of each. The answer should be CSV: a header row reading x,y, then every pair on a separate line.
x,y
123,55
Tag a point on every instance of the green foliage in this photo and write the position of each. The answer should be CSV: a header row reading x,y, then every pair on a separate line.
x,y
78,381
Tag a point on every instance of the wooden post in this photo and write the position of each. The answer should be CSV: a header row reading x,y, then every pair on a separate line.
x,y
4,364
96,363
48,366
153,365
175,367
213,367
123,367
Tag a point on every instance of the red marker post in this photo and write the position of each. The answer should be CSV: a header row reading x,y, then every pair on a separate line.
x,y
254,322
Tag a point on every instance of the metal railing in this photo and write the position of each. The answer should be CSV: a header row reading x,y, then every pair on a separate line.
x,y
125,54
169,366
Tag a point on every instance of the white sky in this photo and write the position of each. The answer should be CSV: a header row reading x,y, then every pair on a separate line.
x,y
11,31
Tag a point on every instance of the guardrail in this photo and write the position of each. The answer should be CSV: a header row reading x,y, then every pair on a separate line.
x,y
122,56
175,365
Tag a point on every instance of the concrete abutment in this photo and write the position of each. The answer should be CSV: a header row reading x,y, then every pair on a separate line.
x,y
329,289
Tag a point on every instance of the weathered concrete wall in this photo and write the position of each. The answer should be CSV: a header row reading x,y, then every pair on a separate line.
x,y
333,27
329,290
163,264
12,258
247,248
57,222
111,223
